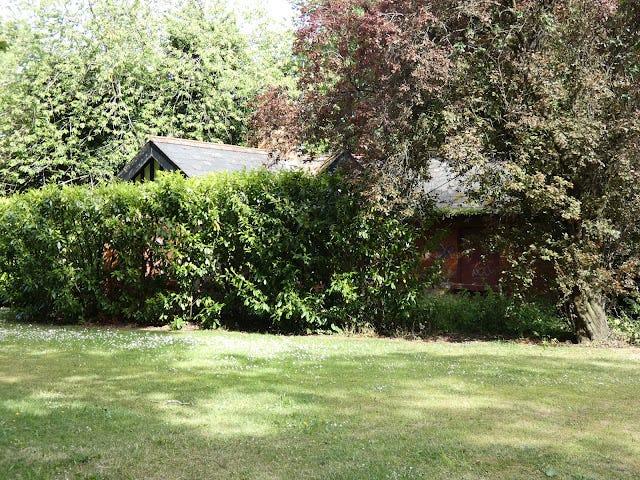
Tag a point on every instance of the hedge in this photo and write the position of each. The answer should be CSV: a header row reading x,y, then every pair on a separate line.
x,y
284,252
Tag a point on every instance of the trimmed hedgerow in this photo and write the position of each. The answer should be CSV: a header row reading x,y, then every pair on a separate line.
x,y
283,252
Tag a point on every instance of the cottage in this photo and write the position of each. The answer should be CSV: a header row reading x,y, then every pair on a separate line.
x,y
463,223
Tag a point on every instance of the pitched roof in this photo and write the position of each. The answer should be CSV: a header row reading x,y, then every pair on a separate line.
x,y
195,158
198,158
447,187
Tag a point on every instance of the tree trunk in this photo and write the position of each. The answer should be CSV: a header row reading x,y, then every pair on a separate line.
x,y
590,322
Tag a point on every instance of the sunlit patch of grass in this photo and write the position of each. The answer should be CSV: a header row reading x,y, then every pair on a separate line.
x,y
113,404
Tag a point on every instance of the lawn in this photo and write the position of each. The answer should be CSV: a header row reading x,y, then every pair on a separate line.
x,y
80,403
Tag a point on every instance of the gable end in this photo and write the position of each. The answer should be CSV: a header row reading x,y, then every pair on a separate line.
x,y
149,153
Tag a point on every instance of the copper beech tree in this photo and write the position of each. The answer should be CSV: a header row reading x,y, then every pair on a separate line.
x,y
537,100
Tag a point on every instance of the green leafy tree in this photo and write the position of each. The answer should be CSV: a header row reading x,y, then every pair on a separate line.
x,y
84,84
536,101
544,104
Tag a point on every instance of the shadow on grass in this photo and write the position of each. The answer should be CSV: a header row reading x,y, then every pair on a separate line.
x,y
171,413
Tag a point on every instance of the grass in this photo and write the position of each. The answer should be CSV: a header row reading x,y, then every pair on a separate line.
x,y
116,404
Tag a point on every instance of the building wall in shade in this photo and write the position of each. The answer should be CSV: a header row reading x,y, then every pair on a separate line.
x,y
149,172
459,251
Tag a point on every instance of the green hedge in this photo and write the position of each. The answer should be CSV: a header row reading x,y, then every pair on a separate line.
x,y
281,252
487,313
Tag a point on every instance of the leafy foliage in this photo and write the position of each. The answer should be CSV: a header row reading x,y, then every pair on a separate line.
x,y
366,68
547,97
82,88
487,313
287,252
535,102
626,320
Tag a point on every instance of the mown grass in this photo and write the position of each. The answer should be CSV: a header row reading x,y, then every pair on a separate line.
x,y
114,404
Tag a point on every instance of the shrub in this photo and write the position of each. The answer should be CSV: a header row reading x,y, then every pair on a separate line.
x,y
282,252
486,313
625,321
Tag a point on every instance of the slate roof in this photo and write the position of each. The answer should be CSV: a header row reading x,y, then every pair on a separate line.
x,y
199,158
195,158
447,187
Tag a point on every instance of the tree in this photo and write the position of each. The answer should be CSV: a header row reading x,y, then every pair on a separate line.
x,y
84,83
537,101
551,100
366,71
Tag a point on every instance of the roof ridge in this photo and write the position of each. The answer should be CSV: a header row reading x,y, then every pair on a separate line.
x,y
199,143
